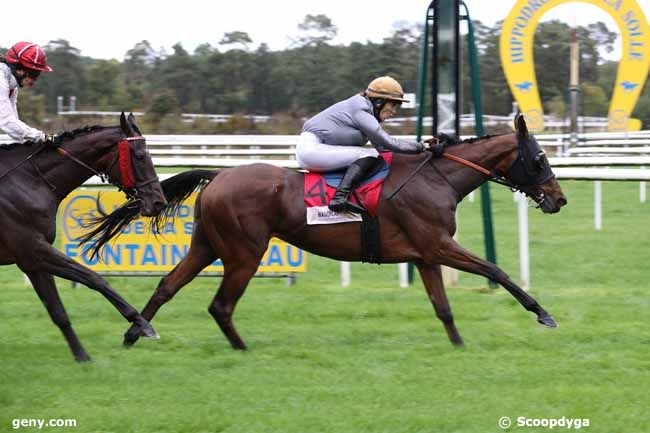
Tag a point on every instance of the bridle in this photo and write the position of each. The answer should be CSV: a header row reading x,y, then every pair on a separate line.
x,y
127,182
518,165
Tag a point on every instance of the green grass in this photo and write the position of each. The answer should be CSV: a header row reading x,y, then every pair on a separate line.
x,y
368,358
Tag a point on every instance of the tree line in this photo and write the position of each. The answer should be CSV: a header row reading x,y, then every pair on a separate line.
x,y
304,78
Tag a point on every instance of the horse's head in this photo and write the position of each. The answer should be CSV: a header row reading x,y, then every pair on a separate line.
x,y
531,172
119,154
133,171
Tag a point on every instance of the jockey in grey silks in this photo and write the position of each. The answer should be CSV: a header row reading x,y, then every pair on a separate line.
x,y
335,138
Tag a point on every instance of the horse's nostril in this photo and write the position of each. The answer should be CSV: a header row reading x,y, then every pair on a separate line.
x,y
561,202
159,205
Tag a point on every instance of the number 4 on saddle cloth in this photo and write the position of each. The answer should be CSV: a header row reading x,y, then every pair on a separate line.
x,y
320,188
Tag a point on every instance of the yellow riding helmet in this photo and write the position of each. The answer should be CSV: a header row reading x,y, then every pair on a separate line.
x,y
386,88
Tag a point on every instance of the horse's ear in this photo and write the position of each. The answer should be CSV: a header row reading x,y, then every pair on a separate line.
x,y
522,129
131,120
125,125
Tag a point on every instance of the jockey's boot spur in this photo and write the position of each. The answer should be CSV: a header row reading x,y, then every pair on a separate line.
x,y
352,177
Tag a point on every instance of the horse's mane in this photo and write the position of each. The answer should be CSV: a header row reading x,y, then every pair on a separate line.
x,y
445,141
64,136
473,139
69,135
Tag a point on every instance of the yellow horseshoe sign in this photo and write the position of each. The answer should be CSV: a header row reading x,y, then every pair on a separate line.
x,y
516,46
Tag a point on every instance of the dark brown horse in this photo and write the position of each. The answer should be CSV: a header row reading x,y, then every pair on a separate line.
x,y
242,208
34,180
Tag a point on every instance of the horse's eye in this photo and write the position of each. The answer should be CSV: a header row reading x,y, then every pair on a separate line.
x,y
540,158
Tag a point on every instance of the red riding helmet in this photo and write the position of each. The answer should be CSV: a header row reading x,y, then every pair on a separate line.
x,y
29,55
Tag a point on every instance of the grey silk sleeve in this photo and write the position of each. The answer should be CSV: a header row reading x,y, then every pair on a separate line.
x,y
381,139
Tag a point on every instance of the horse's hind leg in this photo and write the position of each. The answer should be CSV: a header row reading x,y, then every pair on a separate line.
x,y
455,256
432,279
235,279
198,257
46,289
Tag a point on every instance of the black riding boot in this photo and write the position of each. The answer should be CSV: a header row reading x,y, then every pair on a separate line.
x,y
355,173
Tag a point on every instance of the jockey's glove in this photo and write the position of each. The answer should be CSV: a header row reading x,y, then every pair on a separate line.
x,y
448,140
52,140
434,145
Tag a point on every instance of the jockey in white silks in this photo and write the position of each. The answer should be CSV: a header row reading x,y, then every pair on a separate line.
x,y
335,138
20,66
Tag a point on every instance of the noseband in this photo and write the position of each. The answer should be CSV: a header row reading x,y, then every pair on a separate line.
x,y
127,176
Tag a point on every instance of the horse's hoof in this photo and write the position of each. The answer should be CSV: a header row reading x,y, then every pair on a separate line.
x,y
131,336
547,320
149,333
82,358
145,329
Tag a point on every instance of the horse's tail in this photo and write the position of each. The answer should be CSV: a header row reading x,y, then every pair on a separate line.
x,y
176,189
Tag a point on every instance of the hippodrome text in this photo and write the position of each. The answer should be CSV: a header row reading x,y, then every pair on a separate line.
x,y
527,14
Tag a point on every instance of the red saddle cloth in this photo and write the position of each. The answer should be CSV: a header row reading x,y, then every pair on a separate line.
x,y
320,187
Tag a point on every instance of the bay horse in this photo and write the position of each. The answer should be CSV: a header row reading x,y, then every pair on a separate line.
x,y
34,181
241,208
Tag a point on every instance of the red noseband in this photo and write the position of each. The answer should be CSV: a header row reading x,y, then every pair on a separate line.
x,y
126,167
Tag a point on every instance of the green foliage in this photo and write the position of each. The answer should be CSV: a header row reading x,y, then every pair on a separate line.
x,y
594,101
316,30
104,86
313,73
69,77
556,106
32,106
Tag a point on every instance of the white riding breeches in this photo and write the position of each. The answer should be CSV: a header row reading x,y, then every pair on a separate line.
x,y
314,155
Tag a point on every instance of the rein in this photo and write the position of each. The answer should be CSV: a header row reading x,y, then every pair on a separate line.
x,y
490,175
408,179
128,184
71,157
29,157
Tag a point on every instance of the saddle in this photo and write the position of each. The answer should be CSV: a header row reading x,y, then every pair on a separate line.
x,y
320,187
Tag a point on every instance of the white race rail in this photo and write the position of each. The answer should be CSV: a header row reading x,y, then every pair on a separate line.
x,y
220,151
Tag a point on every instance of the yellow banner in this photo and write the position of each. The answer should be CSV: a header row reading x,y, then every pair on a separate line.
x,y
137,250
516,46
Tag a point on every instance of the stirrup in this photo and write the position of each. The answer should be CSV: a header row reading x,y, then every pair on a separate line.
x,y
346,207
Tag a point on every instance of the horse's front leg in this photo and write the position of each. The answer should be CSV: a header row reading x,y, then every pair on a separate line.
x,y
432,279
198,257
46,289
43,257
455,256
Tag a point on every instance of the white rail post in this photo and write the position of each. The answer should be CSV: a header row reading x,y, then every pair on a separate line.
x,y
642,196
524,251
642,187
345,274
403,271
598,205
